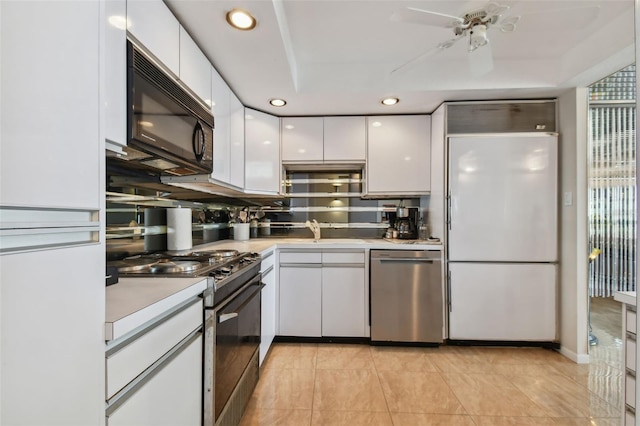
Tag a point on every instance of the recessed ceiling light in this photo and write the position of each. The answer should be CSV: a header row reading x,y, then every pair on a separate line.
x,y
241,19
277,102
390,101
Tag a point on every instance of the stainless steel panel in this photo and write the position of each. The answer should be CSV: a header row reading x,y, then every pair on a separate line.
x,y
406,296
501,117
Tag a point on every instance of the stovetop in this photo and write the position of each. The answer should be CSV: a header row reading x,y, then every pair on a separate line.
x,y
218,264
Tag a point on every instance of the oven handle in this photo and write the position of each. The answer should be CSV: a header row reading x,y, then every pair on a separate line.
x,y
226,317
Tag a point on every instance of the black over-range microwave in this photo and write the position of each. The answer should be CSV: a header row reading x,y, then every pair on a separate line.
x,y
169,131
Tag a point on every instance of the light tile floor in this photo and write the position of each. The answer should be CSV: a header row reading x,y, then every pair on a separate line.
x,y
332,384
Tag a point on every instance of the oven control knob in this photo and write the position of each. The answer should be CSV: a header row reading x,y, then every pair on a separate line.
x,y
225,270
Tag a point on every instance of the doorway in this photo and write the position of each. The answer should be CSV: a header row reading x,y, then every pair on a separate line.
x,y
611,211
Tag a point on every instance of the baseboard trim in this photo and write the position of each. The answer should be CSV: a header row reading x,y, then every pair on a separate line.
x,y
573,356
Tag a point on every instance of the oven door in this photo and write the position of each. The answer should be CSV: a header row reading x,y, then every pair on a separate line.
x,y
232,337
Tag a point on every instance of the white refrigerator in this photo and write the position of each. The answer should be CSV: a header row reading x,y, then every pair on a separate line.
x,y
503,237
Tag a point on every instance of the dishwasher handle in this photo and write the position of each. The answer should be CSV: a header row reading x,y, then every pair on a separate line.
x,y
406,259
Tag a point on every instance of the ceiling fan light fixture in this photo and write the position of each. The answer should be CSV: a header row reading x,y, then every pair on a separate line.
x,y
389,101
241,19
277,102
477,37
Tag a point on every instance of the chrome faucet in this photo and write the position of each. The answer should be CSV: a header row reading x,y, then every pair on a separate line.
x,y
315,228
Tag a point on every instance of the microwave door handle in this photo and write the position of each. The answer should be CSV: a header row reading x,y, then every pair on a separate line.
x,y
198,141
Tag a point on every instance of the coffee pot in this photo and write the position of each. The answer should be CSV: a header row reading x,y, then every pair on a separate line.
x,y
406,222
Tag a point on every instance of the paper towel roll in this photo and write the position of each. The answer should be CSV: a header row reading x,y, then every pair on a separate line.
x,y
179,229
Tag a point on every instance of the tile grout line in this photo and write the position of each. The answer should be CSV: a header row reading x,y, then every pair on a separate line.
x,y
384,395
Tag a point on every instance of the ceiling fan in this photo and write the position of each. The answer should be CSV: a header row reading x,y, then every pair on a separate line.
x,y
474,25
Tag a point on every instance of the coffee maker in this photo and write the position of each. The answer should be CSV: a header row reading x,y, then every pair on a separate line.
x,y
407,223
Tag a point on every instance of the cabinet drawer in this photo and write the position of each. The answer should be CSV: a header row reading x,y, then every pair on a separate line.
x,y
630,391
629,419
630,320
300,257
343,257
630,355
268,261
127,363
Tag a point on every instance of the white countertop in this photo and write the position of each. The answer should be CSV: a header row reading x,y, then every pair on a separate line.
x,y
265,245
628,297
133,301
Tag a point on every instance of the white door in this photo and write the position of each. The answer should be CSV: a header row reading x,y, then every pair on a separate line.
x,y
343,301
503,198
502,301
262,152
268,313
300,301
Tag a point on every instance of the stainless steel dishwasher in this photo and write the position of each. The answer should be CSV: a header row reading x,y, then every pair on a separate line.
x,y
406,296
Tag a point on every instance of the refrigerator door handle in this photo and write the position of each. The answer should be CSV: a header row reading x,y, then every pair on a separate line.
x,y
449,290
449,210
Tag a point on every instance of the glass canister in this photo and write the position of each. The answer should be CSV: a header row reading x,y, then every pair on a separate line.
x,y
423,231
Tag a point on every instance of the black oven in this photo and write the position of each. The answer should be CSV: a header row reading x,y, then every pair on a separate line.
x,y
231,352
169,131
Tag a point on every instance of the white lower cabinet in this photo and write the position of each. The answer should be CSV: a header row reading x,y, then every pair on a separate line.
x,y
267,305
154,374
173,396
343,301
301,300
629,355
322,293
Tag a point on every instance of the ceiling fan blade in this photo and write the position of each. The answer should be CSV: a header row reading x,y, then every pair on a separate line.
x,y
429,53
509,24
426,17
481,60
570,18
495,9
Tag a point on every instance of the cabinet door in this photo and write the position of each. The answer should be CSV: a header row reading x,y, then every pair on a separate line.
x,y
152,24
195,69
300,301
115,71
343,301
302,139
220,97
174,393
398,150
236,136
262,153
50,105
268,313
344,139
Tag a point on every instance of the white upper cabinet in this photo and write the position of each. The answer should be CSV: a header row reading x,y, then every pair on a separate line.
x,y
220,96
115,71
323,139
398,155
302,139
195,69
236,137
345,139
152,24
262,152
50,119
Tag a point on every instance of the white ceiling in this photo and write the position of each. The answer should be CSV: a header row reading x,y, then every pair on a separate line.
x,y
335,57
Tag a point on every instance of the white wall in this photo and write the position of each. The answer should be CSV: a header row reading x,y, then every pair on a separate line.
x,y
573,118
